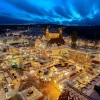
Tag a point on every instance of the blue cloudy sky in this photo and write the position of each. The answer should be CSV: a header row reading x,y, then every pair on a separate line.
x,y
63,12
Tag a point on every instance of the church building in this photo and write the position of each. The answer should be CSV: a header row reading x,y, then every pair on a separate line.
x,y
49,35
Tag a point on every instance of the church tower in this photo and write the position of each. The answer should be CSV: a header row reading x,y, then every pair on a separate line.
x,y
47,32
60,31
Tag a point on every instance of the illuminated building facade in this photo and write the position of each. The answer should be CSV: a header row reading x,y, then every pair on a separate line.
x,y
49,35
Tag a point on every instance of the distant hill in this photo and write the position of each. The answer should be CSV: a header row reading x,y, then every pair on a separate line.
x,y
87,32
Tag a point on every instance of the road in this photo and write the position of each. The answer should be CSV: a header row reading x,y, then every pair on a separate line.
x,y
50,89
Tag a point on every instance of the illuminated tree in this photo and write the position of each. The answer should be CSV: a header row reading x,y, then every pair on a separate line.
x,y
16,38
5,41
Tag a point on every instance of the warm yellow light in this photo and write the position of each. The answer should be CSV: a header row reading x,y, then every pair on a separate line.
x,y
60,87
55,81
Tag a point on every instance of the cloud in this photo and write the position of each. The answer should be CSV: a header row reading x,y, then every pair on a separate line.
x,y
24,5
66,12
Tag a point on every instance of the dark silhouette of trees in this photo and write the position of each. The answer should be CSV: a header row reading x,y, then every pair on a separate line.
x,y
73,40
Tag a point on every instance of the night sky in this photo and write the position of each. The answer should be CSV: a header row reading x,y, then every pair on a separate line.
x,y
61,12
